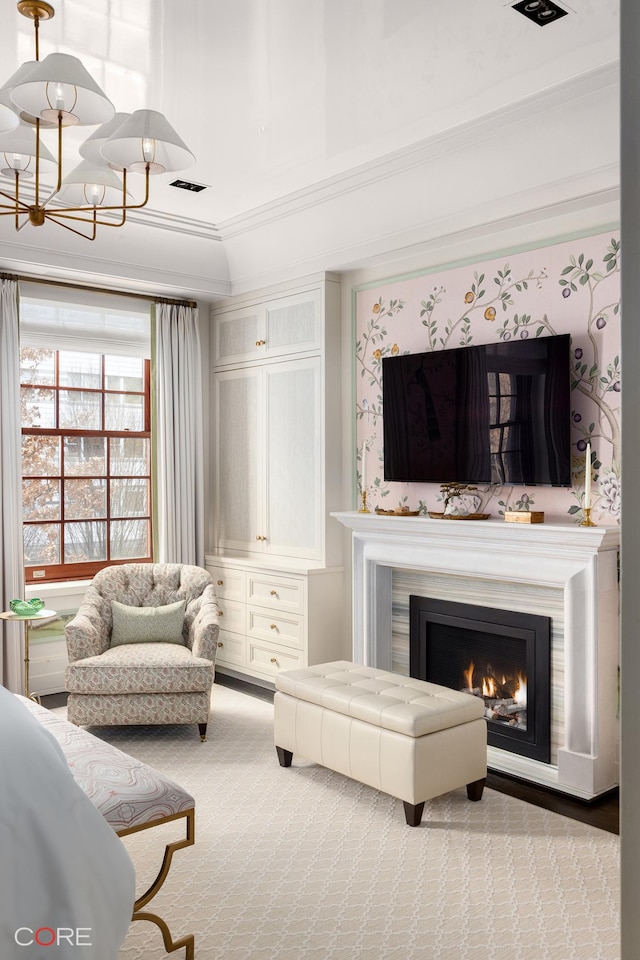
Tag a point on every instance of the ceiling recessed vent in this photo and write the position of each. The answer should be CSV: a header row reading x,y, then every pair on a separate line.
x,y
541,12
187,185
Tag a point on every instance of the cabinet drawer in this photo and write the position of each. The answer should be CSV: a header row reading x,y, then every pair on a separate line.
x,y
274,627
279,593
228,583
269,658
232,616
231,649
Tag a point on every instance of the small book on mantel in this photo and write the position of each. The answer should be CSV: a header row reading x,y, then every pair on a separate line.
x,y
524,516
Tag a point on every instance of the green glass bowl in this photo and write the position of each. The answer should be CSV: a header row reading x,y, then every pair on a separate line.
x,y
26,608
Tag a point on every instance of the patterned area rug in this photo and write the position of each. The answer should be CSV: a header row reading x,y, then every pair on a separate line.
x,y
304,864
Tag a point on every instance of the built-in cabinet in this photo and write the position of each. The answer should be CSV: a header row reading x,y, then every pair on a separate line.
x,y
277,553
276,619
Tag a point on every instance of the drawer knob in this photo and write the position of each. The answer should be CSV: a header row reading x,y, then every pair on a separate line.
x,y
274,626
260,343
273,660
220,583
258,537
274,593
220,613
220,643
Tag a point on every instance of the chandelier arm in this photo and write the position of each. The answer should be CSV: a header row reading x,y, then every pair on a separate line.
x,y
78,233
124,206
15,203
59,183
59,215
37,183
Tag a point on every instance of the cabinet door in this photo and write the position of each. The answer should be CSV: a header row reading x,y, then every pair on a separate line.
x,y
293,465
239,335
238,469
293,324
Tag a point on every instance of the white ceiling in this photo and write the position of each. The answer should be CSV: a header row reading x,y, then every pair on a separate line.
x,y
329,132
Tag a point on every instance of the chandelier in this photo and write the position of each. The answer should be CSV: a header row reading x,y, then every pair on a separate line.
x,y
58,92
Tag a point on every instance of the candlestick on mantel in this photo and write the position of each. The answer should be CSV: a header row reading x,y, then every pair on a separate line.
x,y
587,521
363,481
587,477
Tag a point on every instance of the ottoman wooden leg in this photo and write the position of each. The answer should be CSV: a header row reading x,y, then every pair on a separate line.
x,y
284,756
474,790
413,813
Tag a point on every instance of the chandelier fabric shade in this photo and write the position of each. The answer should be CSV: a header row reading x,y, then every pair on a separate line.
x,y
18,152
60,85
8,119
147,140
91,183
91,149
58,92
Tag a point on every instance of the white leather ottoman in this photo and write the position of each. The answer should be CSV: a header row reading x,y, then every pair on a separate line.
x,y
411,739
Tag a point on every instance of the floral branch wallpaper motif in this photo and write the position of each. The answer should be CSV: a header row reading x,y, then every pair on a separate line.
x,y
571,287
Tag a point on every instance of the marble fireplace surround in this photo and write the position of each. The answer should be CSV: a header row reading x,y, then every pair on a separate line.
x,y
581,562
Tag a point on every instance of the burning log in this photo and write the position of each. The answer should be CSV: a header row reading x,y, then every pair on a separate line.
x,y
499,688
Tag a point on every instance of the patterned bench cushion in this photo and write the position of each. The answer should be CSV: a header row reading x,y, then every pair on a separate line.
x,y
127,792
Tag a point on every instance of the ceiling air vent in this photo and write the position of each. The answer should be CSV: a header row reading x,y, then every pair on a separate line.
x,y
187,185
540,11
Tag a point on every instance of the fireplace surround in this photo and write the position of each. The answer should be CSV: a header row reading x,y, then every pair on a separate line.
x,y
519,563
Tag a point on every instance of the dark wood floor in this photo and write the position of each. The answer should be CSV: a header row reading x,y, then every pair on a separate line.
x,y
602,813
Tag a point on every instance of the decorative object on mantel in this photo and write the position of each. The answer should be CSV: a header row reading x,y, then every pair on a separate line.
x,y
363,474
58,92
524,516
399,512
458,503
459,516
587,521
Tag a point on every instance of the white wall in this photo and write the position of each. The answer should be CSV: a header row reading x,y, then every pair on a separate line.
x,y
630,759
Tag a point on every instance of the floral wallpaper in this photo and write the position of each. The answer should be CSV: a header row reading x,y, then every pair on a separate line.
x,y
571,287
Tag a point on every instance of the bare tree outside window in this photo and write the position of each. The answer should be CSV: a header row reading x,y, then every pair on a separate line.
x,y
86,461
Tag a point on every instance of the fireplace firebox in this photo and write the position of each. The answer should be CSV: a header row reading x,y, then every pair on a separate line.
x,y
502,656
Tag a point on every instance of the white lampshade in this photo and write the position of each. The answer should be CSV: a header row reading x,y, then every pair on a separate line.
x,y
18,152
91,184
5,92
90,149
147,138
8,119
60,84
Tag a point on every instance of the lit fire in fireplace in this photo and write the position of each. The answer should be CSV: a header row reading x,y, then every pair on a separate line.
x,y
505,698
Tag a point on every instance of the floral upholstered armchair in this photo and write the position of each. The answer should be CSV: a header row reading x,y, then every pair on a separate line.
x,y
142,647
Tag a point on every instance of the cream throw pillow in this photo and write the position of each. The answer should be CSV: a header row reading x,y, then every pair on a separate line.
x,y
144,624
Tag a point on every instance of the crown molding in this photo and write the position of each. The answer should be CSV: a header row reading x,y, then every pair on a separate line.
x,y
598,82
525,220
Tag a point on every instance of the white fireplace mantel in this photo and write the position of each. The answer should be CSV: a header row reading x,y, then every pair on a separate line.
x,y
579,561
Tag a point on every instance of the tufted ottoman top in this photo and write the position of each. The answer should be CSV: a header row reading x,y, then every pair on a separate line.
x,y
389,700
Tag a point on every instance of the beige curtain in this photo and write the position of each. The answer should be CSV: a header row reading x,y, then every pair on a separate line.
x,y
177,435
11,559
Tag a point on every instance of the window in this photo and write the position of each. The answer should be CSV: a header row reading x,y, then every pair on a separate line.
x,y
86,439
504,426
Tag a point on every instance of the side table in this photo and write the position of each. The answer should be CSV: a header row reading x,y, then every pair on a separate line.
x,y
40,615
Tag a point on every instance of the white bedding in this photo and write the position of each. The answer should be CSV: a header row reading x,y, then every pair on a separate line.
x,y
66,879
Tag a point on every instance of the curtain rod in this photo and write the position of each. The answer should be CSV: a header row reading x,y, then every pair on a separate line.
x,y
93,289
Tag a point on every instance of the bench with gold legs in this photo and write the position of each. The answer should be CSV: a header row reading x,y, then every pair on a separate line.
x,y
132,797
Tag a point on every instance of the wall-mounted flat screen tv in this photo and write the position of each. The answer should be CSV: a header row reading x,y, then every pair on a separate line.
x,y
495,413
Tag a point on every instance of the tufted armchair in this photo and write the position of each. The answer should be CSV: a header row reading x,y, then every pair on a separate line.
x,y
143,682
